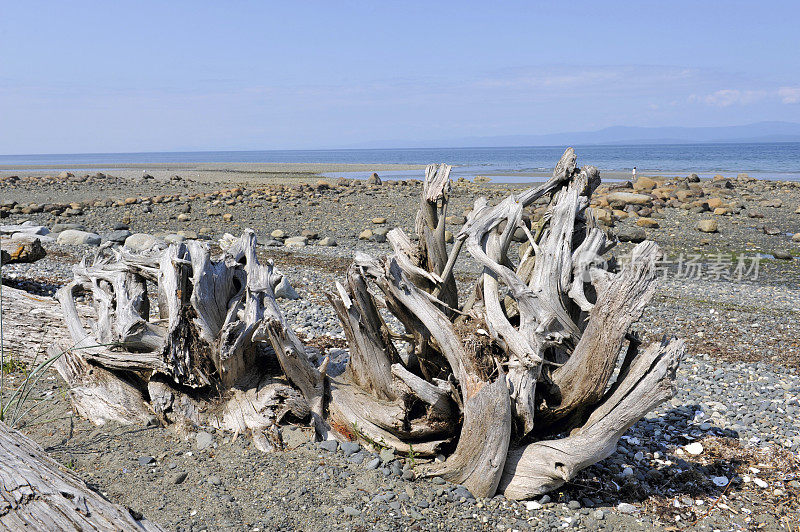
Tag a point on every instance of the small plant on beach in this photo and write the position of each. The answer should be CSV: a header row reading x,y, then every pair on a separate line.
x,y
20,401
12,365
361,435
412,456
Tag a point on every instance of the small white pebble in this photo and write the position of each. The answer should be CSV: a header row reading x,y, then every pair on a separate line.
x,y
694,448
760,483
533,505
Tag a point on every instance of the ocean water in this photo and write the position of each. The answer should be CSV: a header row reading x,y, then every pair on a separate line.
x,y
767,160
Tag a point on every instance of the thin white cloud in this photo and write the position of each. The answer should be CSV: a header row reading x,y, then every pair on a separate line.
x,y
729,97
570,77
789,94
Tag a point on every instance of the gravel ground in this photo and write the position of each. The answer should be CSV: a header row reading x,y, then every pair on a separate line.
x,y
738,389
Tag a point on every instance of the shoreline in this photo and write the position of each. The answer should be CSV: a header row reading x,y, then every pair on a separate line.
x,y
211,166
281,172
251,173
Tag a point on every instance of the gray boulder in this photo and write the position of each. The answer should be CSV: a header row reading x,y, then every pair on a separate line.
x,y
27,237
25,227
631,234
630,198
174,238
74,237
782,255
117,236
296,242
57,228
707,226
142,242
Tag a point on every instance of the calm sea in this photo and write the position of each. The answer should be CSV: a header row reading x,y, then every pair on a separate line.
x,y
769,160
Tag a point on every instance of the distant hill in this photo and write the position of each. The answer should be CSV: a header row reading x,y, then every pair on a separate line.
x,y
760,132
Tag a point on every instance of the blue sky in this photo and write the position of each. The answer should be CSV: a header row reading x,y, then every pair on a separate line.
x,y
151,76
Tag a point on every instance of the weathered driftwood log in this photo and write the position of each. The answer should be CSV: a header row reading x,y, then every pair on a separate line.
x,y
197,350
36,493
31,323
530,354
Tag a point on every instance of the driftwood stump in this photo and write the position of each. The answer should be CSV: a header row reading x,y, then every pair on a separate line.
x,y
202,357
529,378
516,380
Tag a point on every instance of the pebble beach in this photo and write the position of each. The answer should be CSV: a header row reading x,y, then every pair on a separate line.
x,y
723,454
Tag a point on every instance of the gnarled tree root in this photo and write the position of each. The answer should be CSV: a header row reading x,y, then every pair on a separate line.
x,y
529,356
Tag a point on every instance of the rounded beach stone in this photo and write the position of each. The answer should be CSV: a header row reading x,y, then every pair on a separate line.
x,y
74,237
707,226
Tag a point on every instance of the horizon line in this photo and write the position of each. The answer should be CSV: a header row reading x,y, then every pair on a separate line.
x,y
615,144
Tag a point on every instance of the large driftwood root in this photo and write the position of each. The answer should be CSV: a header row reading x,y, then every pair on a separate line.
x,y
36,493
527,357
515,384
202,357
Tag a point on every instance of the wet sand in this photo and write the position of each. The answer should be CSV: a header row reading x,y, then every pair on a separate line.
x,y
215,172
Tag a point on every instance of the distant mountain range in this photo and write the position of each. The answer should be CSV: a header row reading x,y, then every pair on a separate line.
x,y
759,132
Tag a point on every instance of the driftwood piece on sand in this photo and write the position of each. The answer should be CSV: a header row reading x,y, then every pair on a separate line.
x,y
527,358
184,338
36,493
